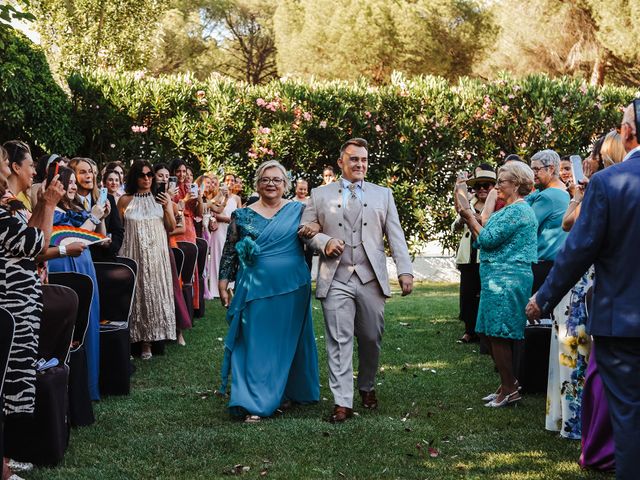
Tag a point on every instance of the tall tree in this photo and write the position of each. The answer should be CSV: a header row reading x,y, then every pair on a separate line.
x,y
117,33
372,38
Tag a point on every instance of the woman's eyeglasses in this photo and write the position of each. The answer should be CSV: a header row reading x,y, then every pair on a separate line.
x,y
277,181
148,175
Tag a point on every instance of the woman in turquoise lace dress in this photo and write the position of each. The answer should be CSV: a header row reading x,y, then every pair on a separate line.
x,y
270,349
508,247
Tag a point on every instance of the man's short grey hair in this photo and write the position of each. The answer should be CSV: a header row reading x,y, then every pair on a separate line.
x,y
547,158
521,174
272,164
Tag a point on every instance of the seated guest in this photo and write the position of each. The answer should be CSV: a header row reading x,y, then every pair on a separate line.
x,y
147,220
70,213
20,179
549,202
482,183
112,182
270,349
87,184
507,245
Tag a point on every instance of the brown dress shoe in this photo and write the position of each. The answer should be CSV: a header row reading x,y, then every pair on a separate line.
x,y
369,399
340,414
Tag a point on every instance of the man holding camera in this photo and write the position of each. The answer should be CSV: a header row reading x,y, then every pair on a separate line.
x,y
606,235
354,217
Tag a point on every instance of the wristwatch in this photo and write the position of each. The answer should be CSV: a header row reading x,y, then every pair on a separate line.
x,y
95,220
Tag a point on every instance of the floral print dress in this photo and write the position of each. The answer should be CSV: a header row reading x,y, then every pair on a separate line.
x,y
568,359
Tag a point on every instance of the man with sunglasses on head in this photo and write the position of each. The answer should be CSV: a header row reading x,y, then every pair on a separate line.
x,y
354,218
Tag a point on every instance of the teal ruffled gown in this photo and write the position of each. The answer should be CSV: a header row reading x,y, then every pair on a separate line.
x,y
270,349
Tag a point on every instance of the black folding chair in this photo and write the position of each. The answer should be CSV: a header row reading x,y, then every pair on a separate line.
x,y
80,405
117,286
42,438
190,251
7,326
203,253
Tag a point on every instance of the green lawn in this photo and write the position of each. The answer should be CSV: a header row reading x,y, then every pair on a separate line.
x,y
173,427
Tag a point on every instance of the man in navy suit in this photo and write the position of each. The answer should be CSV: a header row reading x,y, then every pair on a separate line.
x,y
607,234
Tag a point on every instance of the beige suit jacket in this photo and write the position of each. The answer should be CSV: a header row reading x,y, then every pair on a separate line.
x,y
379,219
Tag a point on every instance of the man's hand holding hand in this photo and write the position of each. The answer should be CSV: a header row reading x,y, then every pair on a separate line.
x,y
533,311
334,248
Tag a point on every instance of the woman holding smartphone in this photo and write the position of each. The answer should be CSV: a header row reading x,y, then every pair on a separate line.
x,y
190,202
147,219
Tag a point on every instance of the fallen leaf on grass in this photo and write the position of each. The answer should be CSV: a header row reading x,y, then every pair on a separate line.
x,y
263,472
433,452
238,470
404,324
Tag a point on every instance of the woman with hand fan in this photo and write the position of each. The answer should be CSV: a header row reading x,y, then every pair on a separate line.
x,y
74,229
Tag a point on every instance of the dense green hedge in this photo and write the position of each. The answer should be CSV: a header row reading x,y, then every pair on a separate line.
x,y
421,131
33,107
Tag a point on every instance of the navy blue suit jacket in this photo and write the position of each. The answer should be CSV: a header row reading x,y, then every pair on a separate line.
x,y
607,235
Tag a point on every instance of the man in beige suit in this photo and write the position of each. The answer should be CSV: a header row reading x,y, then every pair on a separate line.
x,y
354,217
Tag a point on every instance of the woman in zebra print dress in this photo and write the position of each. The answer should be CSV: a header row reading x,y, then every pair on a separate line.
x,y
20,291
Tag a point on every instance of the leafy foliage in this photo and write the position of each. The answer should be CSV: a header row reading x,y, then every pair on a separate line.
x,y
33,108
421,131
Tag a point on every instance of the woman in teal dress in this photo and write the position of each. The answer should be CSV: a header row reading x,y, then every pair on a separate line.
x,y
508,247
70,213
270,349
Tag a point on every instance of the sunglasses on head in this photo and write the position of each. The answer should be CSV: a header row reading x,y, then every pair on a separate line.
x,y
148,175
484,185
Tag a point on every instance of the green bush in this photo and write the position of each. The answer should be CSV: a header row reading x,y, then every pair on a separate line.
x,y
421,131
33,107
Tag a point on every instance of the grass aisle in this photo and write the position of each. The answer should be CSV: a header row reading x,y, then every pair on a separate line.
x,y
173,427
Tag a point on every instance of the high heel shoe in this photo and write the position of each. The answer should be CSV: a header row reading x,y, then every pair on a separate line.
x,y
510,399
493,396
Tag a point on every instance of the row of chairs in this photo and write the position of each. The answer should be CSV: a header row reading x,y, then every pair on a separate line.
x,y
62,392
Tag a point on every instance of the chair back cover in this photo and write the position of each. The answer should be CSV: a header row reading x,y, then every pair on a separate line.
x,y
116,286
203,251
59,314
179,256
129,262
7,326
190,260
83,286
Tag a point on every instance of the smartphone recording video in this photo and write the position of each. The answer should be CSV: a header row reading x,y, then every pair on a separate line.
x,y
576,169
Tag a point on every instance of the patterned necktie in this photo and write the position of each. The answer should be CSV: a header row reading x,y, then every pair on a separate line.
x,y
352,189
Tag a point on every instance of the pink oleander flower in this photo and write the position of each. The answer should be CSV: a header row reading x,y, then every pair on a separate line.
x,y
139,75
307,116
264,130
505,108
378,128
547,121
200,94
583,89
511,96
323,124
261,102
367,114
252,154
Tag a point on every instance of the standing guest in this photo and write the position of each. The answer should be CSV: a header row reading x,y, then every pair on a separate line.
x,y
20,179
549,202
355,217
238,190
183,319
21,295
222,206
270,348
328,175
606,235
190,205
566,173
70,213
230,182
482,183
87,195
301,195
112,183
146,223
507,246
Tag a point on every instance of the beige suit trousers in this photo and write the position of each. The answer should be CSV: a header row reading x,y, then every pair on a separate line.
x,y
353,308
